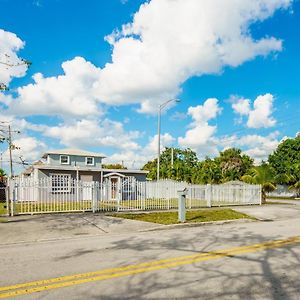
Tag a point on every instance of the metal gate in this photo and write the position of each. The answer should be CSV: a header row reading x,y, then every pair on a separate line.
x,y
126,194
4,205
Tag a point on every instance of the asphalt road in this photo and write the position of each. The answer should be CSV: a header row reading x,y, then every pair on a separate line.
x,y
229,261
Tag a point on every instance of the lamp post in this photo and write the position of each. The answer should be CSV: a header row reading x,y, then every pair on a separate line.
x,y
160,108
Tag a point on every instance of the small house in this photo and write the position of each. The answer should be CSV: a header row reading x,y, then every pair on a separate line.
x,y
63,166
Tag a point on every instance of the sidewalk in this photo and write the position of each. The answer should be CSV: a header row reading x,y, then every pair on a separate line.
x,y
64,226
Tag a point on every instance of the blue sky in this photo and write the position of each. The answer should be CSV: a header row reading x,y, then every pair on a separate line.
x,y
216,69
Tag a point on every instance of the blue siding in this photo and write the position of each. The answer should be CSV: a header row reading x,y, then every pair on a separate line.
x,y
54,160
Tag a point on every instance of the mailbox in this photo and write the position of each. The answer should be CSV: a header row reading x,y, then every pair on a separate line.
x,y
181,205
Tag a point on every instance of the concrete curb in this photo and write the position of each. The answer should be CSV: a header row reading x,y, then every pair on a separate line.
x,y
186,225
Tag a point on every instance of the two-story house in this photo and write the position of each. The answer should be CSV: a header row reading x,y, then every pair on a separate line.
x,y
60,166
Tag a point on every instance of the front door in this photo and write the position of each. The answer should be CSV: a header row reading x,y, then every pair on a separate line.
x,y
115,187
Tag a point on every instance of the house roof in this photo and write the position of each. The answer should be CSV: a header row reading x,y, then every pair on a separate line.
x,y
86,168
76,152
29,170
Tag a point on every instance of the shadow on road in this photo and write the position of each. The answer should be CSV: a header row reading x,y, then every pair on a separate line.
x,y
260,275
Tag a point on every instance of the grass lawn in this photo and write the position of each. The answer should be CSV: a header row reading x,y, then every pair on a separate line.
x,y
192,216
67,206
2,209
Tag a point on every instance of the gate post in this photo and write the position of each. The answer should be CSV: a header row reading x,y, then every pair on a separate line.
x,y
94,197
208,194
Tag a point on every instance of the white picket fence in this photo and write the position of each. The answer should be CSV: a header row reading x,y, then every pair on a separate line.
x,y
47,196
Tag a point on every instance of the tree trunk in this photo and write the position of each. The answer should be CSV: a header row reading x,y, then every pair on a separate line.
x,y
263,197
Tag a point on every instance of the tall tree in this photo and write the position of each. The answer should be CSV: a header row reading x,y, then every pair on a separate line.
x,y
234,164
176,164
285,161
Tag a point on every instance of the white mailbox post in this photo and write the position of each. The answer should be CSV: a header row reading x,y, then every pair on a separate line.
x,y
181,205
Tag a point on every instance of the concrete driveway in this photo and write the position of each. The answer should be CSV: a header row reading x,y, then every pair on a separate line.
x,y
271,212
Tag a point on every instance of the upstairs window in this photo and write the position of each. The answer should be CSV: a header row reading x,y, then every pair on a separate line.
x,y
64,160
89,161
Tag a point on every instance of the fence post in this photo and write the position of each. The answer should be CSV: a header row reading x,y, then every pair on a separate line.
x,y
190,195
93,197
208,194
12,195
260,194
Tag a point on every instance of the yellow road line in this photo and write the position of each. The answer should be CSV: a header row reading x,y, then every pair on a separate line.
x,y
65,281
112,270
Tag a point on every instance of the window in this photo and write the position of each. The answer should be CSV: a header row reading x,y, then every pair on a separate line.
x,y
89,161
60,182
65,159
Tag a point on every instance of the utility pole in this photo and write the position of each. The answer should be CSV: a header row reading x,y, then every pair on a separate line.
x,y
10,152
172,157
7,136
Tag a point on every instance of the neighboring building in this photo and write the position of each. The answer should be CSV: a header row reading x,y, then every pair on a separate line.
x,y
63,165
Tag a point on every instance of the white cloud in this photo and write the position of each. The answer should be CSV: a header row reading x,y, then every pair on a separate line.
x,y
241,106
68,95
261,114
90,132
256,146
259,147
167,42
201,135
28,149
171,41
202,138
31,148
10,44
136,159
166,140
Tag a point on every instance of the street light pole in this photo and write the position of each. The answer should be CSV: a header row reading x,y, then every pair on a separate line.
x,y
158,142
160,108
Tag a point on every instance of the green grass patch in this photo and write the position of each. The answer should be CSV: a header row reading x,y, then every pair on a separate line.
x,y
109,205
192,216
2,208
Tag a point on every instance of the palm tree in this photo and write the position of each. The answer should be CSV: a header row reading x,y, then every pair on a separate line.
x,y
264,176
295,186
